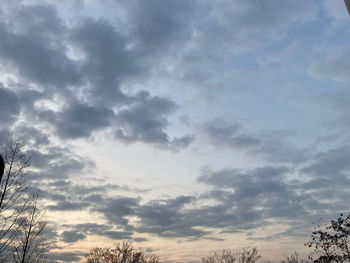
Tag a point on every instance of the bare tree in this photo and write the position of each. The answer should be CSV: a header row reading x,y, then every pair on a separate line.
x,y
13,194
241,255
29,245
293,258
121,252
248,255
225,256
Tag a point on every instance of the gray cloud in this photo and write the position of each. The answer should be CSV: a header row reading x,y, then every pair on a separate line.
x,y
264,187
178,143
4,136
331,163
67,206
80,231
118,235
145,120
335,65
53,164
107,61
327,176
245,200
226,32
72,236
31,135
336,103
88,87
116,210
37,56
267,147
84,72
223,133
65,256
80,120
243,23
9,107
159,24
161,217
167,218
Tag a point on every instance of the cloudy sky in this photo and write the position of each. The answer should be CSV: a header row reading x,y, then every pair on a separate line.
x,y
187,126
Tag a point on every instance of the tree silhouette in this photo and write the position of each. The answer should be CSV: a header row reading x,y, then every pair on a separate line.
x,y
29,245
13,194
331,242
241,255
21,213
121,252
293,258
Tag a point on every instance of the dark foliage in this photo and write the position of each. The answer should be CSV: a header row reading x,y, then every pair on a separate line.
x,y
331,242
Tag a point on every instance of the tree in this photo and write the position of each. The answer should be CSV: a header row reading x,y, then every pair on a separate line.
x,y
331,242
29,245
13,193
293,258
121,252
225,256
21,214
241,255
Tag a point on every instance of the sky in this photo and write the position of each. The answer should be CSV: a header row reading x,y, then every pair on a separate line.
x,y
187,126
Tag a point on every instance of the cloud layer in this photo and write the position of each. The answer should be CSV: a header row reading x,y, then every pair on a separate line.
x,y
248,99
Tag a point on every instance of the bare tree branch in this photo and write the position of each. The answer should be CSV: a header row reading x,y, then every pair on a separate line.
x,y
13,193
